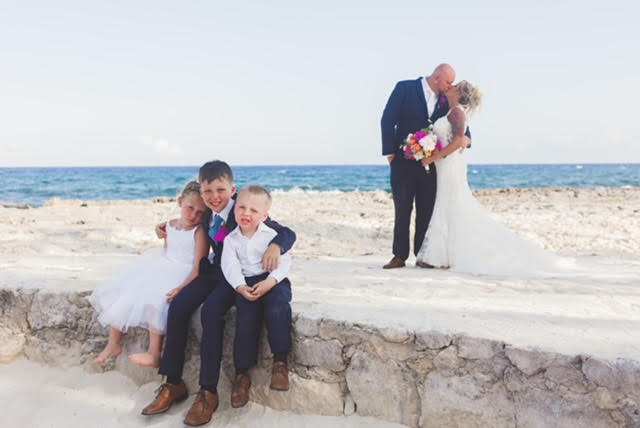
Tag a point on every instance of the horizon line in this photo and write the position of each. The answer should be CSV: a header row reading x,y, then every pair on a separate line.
x,y
302,165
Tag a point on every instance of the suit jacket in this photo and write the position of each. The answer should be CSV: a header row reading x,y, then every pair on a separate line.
x,y
406,112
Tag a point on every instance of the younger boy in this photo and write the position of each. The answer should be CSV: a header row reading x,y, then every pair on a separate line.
x,y
259,293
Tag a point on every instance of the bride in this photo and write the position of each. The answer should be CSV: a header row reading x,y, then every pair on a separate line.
x,y
462,235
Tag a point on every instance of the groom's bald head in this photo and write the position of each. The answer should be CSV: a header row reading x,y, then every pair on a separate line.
x,y
442,78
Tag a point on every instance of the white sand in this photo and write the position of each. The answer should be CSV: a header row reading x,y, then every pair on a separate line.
x,y
343,240
37,396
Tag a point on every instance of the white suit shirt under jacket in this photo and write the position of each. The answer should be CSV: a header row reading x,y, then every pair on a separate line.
x,y
243,256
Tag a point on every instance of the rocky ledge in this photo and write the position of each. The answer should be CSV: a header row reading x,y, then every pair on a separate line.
x,y
420,379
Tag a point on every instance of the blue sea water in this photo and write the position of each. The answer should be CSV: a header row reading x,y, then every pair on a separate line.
x,y
35,186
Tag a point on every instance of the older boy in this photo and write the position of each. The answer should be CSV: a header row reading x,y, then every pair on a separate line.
x,y
260,294
216,296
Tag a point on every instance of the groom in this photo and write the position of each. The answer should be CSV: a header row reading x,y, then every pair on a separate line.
x,y
413,104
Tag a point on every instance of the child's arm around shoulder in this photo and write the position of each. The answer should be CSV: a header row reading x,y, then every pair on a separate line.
x,y
201,251
279,245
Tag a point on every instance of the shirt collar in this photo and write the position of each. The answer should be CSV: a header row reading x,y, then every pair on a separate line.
x,y
225,212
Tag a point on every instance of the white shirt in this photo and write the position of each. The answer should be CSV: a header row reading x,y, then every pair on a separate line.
x,y
225,215
243,256
430,96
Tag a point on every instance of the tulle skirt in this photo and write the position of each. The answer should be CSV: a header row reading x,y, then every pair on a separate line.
x,y
136,295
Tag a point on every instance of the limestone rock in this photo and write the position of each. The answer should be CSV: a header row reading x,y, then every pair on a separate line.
x,y
601,373
321,353
529,362
11,344
447,360
568,376
433,340
395,335
472,348
459,401
306,327
381,389
14,307
536,407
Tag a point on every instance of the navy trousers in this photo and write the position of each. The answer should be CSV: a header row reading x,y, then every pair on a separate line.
x,y
409,182
274,307
216,296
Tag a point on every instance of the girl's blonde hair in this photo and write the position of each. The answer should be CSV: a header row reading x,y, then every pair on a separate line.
x,y
191,187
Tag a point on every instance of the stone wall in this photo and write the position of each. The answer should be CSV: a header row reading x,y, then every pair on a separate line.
x,y
425,379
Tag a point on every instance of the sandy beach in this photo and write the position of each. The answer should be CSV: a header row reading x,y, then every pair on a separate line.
x,y
343,240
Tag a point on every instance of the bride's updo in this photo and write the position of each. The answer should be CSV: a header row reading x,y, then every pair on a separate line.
x,y
470,96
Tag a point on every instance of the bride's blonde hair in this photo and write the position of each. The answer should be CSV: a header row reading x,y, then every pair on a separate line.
x,y
470,96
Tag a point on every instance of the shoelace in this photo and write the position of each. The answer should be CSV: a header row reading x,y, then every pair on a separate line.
x,y
161,388
202,397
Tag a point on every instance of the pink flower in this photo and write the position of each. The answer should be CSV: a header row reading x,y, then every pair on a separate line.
x,y
439,145
222,233
420,135
407,151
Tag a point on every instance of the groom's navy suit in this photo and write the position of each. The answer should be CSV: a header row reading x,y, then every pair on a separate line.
x,y
405,113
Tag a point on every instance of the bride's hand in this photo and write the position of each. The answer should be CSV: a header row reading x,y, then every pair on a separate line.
x,y
466,142
427,161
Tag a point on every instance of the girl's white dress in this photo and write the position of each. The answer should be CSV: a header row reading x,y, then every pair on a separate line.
x,y
463,236
136,295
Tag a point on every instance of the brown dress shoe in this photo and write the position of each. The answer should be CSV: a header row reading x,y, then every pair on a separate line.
x,y
280,376
168,394
240,391
424,265
396,262
202,409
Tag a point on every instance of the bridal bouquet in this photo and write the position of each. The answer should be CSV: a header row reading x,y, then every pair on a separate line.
x,y
421,145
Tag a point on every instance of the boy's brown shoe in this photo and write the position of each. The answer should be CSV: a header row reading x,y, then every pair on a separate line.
x,y
280,376
168,394
240,391
202,409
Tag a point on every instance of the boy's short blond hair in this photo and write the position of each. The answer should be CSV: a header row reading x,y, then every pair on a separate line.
x,y
257,190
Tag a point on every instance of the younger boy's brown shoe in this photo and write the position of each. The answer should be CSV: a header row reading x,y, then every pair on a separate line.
x,y
168,394
280,376
240,391
202,409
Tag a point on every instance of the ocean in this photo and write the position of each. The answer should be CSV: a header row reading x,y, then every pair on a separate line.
x,y
36,186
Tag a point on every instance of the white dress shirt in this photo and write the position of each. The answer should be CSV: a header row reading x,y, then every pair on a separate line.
x,y
242,256
225,215
430,96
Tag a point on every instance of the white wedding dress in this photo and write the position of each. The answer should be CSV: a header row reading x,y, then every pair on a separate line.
x,y
462,235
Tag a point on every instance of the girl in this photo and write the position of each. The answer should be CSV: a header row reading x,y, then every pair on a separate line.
x,y
140,294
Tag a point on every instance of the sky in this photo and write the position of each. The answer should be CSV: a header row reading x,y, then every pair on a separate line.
x,y
118,83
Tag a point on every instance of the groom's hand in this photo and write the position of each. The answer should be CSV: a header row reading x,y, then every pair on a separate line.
x,y
271,258
390,158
